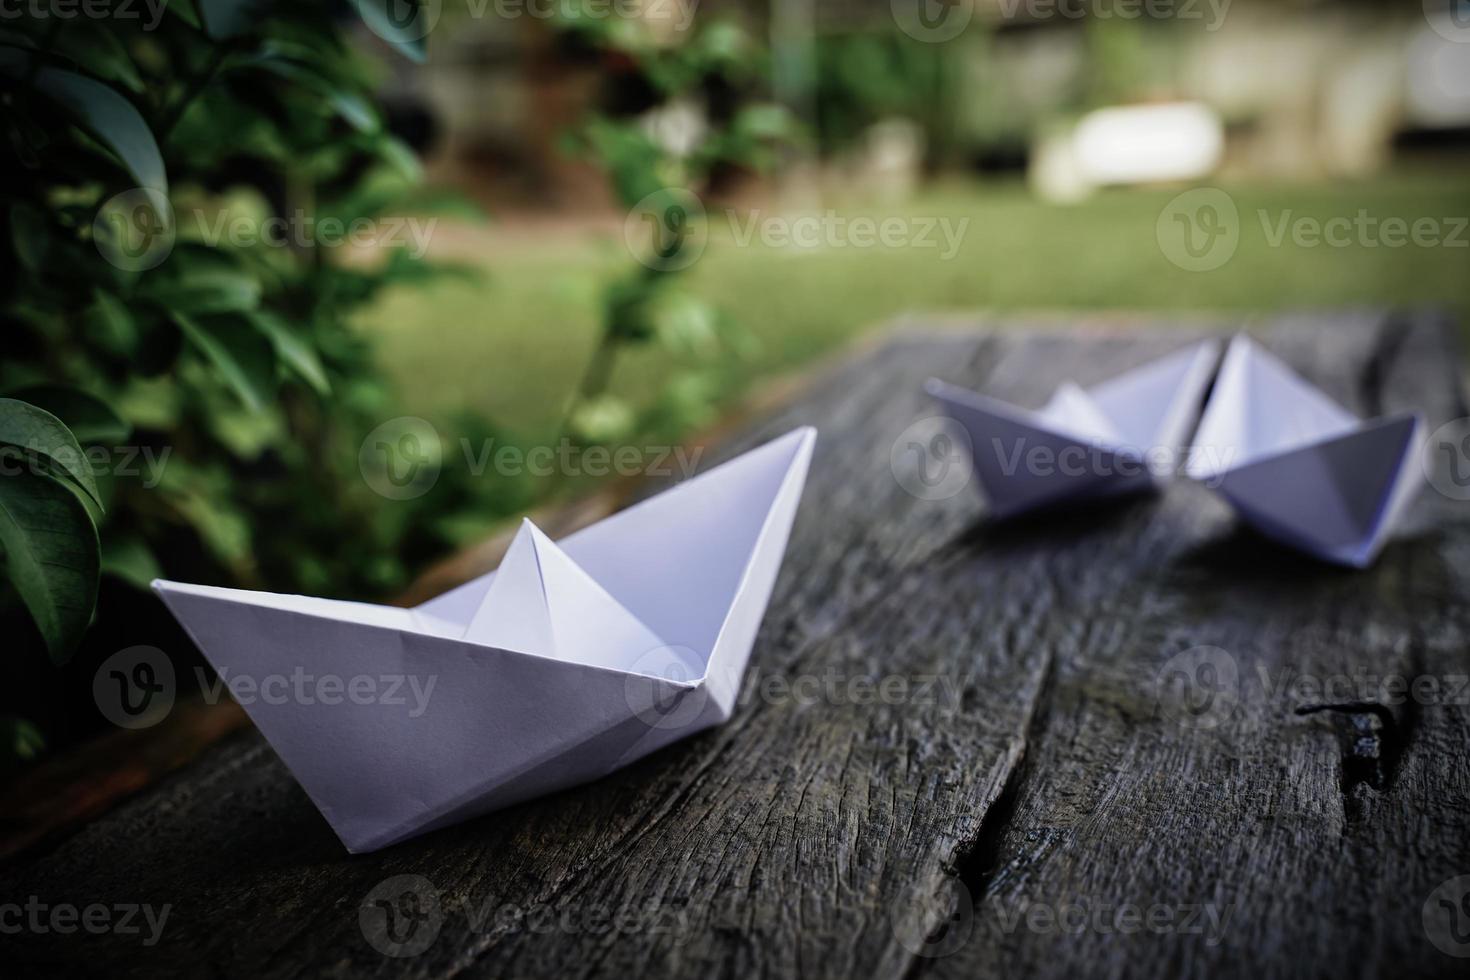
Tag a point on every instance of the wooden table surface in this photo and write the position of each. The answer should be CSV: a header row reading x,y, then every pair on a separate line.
x,y
964,750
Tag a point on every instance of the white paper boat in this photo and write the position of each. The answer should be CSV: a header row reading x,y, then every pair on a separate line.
x,y
568,661
1120,436
1300,468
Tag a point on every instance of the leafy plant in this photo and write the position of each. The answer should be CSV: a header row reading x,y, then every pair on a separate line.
x,y
701,110
181,393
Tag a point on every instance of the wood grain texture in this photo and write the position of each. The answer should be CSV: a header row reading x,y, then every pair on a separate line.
x,y
1032,755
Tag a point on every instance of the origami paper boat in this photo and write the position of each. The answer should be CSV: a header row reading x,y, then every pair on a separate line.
x,y
1121,436
1300,468
568,661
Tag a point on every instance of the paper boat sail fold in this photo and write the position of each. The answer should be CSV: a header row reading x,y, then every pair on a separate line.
x,y
1300,468
570,660
1121,436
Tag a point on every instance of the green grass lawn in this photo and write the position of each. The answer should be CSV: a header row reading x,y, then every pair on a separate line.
x,y
514,345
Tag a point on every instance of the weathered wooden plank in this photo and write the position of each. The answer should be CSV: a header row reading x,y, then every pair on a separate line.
x,y
819,834
1296,824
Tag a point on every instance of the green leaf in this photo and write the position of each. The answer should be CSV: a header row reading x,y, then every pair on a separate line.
x,y
401,158
103,53
184,10
602,420
294,351
352,107
112,323
242,356
37,431
229,18
89,418
128,558
52,556
29,235
20,742
99,110
208,291
402,23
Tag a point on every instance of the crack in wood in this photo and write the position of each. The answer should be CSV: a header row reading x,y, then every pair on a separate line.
x,y
976,863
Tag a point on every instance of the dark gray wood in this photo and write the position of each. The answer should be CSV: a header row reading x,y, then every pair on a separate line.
x,y
1048,769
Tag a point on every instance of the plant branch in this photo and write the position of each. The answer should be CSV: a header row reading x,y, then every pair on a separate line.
x,y
192,88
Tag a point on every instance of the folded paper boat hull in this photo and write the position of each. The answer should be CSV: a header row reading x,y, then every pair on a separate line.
x,y
1338,499
1029,460
1298,467
394,724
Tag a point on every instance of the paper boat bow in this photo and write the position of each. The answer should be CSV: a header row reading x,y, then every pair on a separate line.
x,y
1300,468
1116,437
568,661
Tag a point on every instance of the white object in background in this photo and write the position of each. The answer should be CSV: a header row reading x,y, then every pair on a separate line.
x,y
1117,437
1437,72
1148,143
568,661
1300,468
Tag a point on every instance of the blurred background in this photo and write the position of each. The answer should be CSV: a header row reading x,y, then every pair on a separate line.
x,y
289,276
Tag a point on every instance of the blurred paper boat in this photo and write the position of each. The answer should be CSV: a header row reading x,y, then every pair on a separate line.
x,y
1300,468
568,661
1121,436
